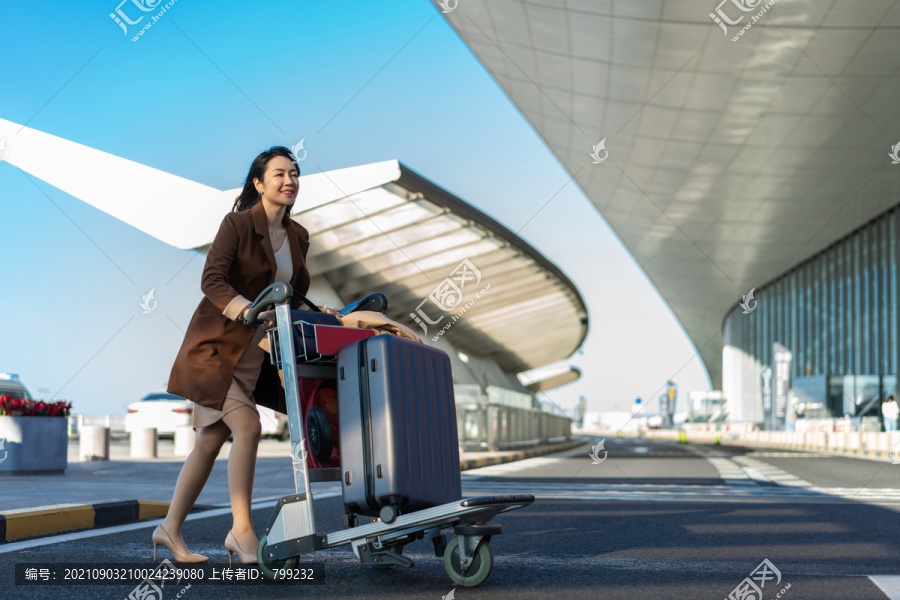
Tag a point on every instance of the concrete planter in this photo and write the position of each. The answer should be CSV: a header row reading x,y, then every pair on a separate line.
x,y
33,445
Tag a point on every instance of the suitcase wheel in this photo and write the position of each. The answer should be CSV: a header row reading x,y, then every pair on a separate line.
x,y
478,571
388,513
350,520
321,437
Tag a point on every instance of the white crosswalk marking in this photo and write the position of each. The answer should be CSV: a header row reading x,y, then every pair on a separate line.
x,y
747,470
757,454
889,584
767,472
742,477
682,493
732,473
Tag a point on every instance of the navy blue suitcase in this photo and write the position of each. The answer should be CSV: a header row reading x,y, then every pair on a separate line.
x,y
397,423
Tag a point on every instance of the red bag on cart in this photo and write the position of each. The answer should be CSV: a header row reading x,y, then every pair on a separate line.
x,y
317,339
318,336
319,407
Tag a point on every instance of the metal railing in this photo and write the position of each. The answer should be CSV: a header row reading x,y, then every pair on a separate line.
x,y
481,425
491,426
116,423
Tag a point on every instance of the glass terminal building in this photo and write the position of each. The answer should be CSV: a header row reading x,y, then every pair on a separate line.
x,y
837,314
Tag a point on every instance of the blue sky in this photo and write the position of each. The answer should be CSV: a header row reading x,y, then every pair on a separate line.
x,y
199,95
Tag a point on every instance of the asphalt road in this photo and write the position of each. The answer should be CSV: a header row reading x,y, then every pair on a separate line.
x,y
650,520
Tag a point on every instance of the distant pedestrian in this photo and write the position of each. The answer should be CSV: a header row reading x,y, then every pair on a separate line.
x,y
891,411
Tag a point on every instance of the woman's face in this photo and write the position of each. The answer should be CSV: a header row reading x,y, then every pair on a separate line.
x,y
280,182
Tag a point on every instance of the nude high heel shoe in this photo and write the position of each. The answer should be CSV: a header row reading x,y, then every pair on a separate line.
x,y
232,546
161,536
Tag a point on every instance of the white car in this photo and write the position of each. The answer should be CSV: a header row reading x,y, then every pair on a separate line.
x,y
166,411
161,410
655,422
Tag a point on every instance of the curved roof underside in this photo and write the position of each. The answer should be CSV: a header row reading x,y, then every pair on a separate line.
x,y
554,381
375,227
729,162
398,233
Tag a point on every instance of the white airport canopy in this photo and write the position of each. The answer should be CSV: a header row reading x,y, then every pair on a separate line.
x,y
724,164
376,227
550,382
384,227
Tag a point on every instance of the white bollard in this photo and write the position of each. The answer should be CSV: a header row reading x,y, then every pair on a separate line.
x,y
93,442
185,436
837,440
144,443
893,440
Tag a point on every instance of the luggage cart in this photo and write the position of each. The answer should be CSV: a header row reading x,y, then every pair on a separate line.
x,y
291,531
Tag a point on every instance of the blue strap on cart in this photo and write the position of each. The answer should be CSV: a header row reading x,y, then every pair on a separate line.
x,y
316,318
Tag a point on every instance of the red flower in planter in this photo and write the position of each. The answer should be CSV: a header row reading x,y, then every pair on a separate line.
x,y
20,407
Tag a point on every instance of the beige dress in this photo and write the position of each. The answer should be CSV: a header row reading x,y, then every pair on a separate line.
x,y
246,371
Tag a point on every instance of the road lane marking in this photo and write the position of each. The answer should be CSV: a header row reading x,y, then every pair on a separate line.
x,y
770,473
755,475
756,454
731,473
81,535
889,584
747,470
678,493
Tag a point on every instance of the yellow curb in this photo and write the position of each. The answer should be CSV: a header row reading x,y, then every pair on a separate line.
x,y
152,508
28,523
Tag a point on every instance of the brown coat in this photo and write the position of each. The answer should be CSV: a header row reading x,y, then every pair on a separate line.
x,y
239,265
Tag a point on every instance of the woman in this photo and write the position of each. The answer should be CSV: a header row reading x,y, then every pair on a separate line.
x,y
890,411
220,366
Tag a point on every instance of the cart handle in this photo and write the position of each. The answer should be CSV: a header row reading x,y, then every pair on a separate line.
x,y
377,302
277,293
280,292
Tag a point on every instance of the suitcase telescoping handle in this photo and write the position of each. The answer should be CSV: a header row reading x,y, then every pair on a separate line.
x,y
279,292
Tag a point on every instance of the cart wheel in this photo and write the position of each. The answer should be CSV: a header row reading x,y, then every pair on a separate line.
x,y
270,567
398,548
478,571
321,438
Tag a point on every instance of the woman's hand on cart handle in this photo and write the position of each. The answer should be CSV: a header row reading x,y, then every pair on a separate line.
x,y
277,293
268,319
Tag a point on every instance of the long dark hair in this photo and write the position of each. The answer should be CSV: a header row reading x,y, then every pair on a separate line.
x,y
249,195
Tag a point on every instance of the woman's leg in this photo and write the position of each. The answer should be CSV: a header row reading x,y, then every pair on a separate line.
x,y
245,430
193,476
